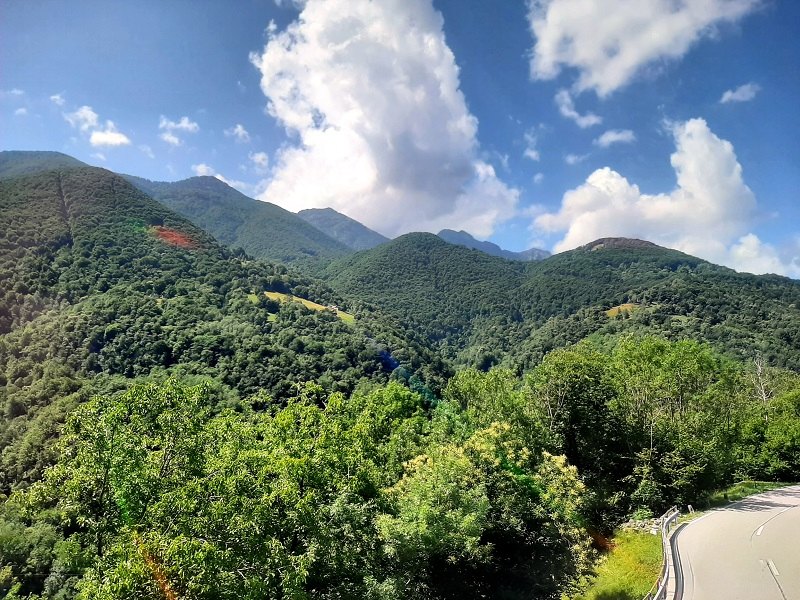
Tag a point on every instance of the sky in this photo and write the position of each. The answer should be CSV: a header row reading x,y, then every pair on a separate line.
x,y
540,123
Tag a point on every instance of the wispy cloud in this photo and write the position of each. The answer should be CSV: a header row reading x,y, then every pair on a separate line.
x,y
21,112
83,119
87,121
169,127
566,106
108,136
615,136
58,99
260,162
743,93
574,159
239,132
531,139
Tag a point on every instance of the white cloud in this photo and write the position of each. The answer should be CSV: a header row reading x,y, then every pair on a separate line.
x,y
21,112
171,138
109,136
184,124
147,151
239,132
370,93
743,93
531,151
99,156
708,214
12,93
610,42
538,178
88,122
84,118
57,99
170,127
566,106
260,161
574,159
615,136
203,170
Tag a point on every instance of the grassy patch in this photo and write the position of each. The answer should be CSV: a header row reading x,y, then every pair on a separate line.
x,y
741,490
628,571
628,307
346,317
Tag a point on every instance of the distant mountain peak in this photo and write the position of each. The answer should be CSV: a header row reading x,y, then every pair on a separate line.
x,y
462,238
342,228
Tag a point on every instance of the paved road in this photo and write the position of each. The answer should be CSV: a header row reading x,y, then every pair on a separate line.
x,y
749,550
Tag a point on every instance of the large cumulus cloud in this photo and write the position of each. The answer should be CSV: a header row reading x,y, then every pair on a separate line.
x,y
709,213
379,129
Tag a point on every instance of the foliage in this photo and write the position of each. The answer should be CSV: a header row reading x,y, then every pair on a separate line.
x,y
262,229
628,571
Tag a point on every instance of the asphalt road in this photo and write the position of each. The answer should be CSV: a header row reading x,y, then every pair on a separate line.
x,y
749,550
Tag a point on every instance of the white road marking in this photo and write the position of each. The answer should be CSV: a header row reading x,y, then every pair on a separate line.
x,y
773,568
760,529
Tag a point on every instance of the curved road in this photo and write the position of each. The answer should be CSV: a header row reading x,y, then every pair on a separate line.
x,y
749,550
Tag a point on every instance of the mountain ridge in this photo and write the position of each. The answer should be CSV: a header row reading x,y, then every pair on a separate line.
x,y
462,238
348,231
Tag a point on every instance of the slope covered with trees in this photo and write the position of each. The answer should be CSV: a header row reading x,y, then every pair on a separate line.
x,y
340,227
169,430
484,310
103,284
262,229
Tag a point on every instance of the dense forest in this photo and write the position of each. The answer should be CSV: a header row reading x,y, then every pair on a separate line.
x,y
170,431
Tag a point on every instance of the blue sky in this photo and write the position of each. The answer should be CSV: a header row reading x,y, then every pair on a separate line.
x,y
546,123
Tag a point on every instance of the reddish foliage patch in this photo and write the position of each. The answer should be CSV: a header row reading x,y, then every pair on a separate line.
x,y
599,541
176,238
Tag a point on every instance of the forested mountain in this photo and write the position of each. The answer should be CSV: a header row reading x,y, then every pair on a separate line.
x,y
176,423
462,238
262,229
14,163
101,283
342,228
484,310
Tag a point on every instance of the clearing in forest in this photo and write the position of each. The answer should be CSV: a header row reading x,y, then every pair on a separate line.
x,y
279,297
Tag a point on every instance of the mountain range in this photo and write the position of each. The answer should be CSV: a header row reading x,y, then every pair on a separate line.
x,y
200,390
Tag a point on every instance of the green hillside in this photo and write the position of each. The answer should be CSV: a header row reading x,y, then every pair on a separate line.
x,y
262,229
484,310
103,284
342,228
14,163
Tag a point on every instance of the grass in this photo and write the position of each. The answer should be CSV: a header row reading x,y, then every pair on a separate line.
x,y
628,307
740,490
278,296
628,571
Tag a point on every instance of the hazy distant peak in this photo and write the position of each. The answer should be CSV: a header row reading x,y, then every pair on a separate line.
x,y
342,228
462,238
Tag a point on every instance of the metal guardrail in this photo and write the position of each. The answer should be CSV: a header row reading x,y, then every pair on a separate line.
x,y
659,589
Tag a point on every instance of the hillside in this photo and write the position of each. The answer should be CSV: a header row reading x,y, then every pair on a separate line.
x,y
483,310
14,163
342,228
462,238
262,229
102,284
